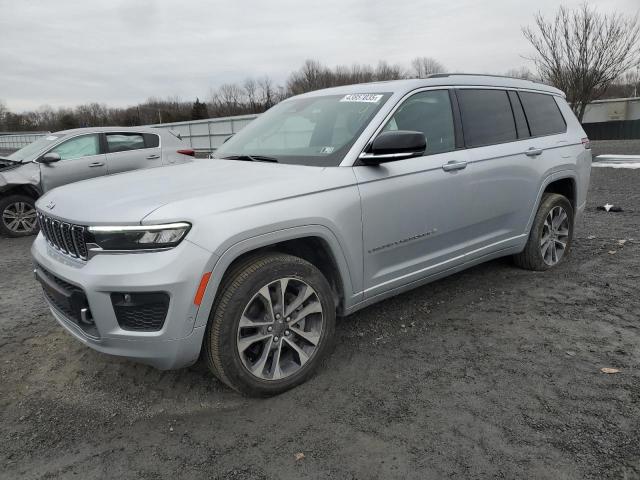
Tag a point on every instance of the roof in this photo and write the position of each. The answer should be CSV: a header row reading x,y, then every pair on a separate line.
x,y
453,79
107,129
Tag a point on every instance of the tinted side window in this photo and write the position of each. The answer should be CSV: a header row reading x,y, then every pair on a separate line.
x,y
122,142
77,147
486,117
429,113
543,114
151,140
518,114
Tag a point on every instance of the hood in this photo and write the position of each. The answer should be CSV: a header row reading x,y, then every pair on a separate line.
x,y
202,187
7,165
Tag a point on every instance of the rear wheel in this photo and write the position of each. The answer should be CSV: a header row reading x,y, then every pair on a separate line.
x,y
551,234
271,325
18,216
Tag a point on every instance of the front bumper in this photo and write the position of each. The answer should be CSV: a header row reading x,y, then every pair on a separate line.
x,y
176,272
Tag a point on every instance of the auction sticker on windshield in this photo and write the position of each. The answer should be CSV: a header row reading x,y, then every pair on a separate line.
x,y
362,97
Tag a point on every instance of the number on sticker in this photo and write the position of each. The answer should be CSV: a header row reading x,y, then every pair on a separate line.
x,y
362,97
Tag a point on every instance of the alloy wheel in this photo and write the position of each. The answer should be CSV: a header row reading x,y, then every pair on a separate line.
x,y
20,217
555,236
280,329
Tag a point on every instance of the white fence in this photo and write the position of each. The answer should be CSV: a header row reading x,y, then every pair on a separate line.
x,y
207,135
11,141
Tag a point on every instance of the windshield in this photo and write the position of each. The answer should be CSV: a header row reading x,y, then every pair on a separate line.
x,y
26,153
307,131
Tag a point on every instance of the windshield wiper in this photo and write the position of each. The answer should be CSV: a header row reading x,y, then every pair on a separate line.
x,y
9,160
252,158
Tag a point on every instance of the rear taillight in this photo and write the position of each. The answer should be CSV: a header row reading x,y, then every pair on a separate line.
x,y
188,151
586,143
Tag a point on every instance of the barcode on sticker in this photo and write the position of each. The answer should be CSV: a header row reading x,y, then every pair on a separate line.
x,y
362,97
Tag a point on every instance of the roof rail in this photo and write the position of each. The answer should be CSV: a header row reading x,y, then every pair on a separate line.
x,y
444,75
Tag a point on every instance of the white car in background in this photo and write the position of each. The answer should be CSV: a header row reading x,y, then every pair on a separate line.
x,y
72,155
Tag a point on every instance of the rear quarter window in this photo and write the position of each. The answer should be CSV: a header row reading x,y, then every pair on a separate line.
x,y
487,117
543,114
151,140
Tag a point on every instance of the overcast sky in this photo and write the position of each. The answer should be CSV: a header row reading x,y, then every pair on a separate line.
x,y
120,52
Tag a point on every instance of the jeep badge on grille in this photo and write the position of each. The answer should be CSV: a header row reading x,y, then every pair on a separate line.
x,y
51,204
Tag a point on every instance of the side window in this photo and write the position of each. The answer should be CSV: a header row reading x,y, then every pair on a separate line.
x,y
430,113
83,146
518,114
122,142
543,114
151,140
486,117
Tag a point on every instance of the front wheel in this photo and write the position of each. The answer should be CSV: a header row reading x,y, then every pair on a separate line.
x,y
18,216
551,234
271,325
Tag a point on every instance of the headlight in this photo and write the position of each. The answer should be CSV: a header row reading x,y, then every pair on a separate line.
x,y
143,237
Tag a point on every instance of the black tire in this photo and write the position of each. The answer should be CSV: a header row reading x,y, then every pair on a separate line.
x,y
531,257
221,352
8,202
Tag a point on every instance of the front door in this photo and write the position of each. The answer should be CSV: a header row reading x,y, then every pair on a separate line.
x,y
414,210
80,158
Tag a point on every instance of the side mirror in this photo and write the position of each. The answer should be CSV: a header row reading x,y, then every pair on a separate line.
x,y
50,157
395,145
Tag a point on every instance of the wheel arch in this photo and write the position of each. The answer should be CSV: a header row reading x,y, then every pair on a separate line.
x,y
563,183
565,186
26,189
314,243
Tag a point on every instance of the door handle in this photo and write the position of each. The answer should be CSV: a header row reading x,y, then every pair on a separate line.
x,y
454,165
153,157
96,164
533,152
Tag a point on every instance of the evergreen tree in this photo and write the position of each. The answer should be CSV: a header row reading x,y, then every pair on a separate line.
x,y
199,110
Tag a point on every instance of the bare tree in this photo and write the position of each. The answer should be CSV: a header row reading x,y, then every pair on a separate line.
x,y
385,71
3,113
522,72
266,92
422,67
631,82
311,76
250,91
583,51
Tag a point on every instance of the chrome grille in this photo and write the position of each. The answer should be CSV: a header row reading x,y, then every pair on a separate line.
x,y
63,236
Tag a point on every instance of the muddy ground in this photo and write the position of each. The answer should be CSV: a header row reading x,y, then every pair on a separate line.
x,y
491,373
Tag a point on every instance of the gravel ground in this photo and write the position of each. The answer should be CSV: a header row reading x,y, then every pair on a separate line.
x,y
490,373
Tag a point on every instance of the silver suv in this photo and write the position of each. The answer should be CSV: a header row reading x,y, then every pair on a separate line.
x,y
327,203
71,155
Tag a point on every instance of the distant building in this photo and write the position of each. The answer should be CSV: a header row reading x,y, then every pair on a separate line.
x,y
613,119
612,109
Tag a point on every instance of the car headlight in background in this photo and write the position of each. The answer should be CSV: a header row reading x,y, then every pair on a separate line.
x,y
143,237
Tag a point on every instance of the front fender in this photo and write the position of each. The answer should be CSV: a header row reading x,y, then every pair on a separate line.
x,y
220,263
24,175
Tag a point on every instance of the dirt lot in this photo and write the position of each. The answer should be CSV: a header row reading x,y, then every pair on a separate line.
x,y
494,372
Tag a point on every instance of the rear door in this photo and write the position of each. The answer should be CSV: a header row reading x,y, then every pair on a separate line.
x,y
132,151
504,183
81,157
